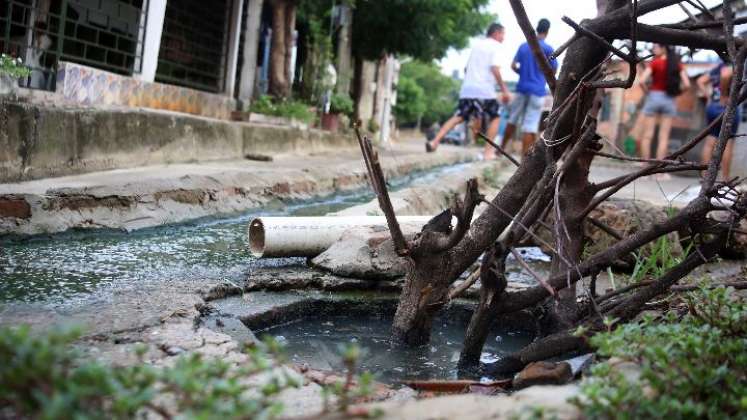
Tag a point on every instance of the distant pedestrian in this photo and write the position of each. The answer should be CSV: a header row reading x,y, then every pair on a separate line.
x,y
526,108
477,98
718,80
668,80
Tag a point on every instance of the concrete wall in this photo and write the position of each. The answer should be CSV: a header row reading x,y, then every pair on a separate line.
x,y
39,142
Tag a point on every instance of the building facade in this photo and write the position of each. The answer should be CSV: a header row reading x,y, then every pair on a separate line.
x,y
189,56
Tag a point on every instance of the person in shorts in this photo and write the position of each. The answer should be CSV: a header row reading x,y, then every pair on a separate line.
x,y
526,108
477,97
719,81
668,80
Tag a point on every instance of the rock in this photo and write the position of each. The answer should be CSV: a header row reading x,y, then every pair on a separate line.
x,y
505,366
736,245
301,278
553,401
543,373
580,363
366,253
221,291
172,350
624,216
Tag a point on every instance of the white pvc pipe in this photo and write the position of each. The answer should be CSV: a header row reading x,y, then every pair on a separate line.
x,y
271,237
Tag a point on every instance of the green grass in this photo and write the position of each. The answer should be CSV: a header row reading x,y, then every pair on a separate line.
x,y
691,366
288,108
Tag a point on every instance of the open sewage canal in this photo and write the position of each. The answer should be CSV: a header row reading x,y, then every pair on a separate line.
x,y
72,270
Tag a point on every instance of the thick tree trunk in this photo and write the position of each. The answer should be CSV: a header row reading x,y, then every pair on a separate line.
x,y
290,28
574,195
281,48
421,298
493,284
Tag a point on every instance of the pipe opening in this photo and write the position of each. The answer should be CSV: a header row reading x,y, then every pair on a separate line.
x,y
257,238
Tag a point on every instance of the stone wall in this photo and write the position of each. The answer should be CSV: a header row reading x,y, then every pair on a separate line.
x,y
43,141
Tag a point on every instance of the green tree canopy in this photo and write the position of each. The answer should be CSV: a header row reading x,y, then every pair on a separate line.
x,y
423,91
422,29
411,103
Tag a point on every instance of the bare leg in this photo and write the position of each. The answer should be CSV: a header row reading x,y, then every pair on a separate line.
x,y
508,134
489,152
649,123
527,140
726,159
476,128
707,152
448,125
665,129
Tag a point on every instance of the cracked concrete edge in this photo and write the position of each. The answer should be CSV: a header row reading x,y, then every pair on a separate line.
x,y
145,204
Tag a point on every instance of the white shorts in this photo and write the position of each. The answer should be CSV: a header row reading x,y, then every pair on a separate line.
x,y
526,111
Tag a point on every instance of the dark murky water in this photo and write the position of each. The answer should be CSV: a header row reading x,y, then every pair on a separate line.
x,y
67,267
317,339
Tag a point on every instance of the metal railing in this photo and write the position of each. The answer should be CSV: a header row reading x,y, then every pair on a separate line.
x,y
106,34
194,44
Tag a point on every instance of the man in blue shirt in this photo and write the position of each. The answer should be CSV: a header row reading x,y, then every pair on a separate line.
x,y
526,108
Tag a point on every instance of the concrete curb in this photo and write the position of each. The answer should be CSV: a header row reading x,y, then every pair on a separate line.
x,y
159,201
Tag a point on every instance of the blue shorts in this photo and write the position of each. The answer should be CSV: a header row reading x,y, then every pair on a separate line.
x,y
527,111
713,110
658,102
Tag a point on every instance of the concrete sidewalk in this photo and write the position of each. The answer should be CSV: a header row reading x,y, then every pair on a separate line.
x,y
136,198
676,191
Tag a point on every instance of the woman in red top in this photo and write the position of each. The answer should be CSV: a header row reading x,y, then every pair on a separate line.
x,y
668,79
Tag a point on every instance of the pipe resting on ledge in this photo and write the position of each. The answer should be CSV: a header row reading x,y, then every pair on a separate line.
x,y
273,237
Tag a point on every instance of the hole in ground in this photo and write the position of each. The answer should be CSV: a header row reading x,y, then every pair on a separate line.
x,y
313,332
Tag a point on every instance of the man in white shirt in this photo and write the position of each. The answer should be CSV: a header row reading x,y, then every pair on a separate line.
x,y
477,98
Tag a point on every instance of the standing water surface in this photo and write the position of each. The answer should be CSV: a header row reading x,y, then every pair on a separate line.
x,y
71,266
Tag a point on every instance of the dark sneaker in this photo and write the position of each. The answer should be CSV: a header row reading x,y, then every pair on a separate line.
x,y
429,147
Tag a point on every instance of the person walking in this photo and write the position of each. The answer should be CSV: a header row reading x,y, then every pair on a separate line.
x,y
477,97
719,82
668,80
526,108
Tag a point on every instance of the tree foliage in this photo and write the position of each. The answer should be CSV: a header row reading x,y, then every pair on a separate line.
x,y
422,29
410,101
424,92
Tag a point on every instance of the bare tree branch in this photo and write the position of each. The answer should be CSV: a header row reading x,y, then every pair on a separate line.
x,y
378,183
692,26
531,272
635,159
565,45
608,230
598,39
466,284
499,149
616,184
437,242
